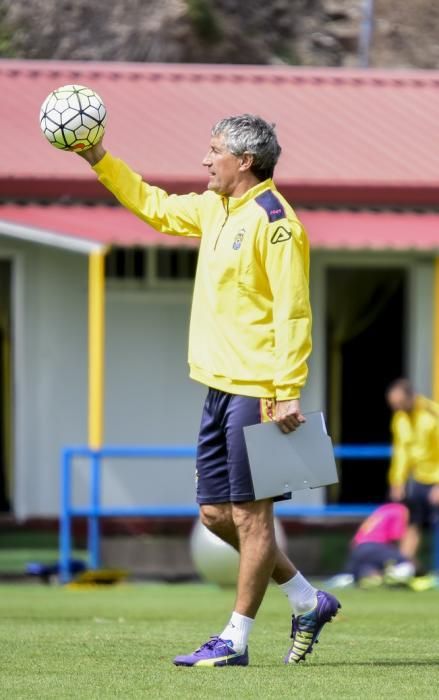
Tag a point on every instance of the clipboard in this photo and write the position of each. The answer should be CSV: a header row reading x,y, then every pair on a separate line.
x,y
282,463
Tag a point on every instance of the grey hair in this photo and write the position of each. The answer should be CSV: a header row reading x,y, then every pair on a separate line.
x,y
248,133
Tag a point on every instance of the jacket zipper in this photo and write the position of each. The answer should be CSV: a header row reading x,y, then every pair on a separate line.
x,y
223,224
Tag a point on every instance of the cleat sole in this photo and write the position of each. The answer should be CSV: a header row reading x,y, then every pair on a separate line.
x,y
288,660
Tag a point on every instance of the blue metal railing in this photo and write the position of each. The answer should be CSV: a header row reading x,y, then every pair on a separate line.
x,y
94,511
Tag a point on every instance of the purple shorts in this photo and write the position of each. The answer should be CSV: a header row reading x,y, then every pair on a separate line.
x,y
223,470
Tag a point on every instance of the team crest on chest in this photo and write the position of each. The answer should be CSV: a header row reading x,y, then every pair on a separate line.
x,y
238,239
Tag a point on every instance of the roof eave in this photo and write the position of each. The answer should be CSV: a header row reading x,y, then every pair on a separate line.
x,y
32,234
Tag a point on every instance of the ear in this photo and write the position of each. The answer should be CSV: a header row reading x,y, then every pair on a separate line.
x,y
245,161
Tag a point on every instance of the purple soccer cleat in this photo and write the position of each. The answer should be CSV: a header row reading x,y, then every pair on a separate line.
x,y
307,627
215,652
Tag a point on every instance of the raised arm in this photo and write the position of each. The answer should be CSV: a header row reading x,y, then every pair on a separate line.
x,y
172,214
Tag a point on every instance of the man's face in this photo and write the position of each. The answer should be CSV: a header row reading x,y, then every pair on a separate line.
x,y
399,400
224,169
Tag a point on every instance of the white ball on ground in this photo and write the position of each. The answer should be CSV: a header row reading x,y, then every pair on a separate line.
x,y
216,561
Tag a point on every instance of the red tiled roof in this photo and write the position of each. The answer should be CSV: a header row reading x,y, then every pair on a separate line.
x,y
369,230
103,224
347,135
327,229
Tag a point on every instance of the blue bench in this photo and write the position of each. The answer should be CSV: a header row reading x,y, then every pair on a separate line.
x,y
93,511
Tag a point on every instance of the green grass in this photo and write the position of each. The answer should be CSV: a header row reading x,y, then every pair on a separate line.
x,y
18,548
118,642
14,561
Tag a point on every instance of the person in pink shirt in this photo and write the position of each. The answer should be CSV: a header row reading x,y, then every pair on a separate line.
x,y
374,548
387,524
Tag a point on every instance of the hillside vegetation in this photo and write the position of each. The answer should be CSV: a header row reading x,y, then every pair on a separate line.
x,y
303,32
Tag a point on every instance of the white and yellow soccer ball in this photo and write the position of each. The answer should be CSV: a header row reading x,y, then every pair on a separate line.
x,y
73,118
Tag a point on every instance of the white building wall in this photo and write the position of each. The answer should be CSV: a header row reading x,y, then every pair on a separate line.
x,y
420,337
50,371
149,398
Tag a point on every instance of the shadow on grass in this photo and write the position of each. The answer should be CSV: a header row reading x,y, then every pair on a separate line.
x,y
386,663
382,662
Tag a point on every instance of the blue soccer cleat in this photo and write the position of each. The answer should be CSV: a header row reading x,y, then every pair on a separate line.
x,y
307,627
215,652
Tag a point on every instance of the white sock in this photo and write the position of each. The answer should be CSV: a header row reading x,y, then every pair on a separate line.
x,y
302,596
237,631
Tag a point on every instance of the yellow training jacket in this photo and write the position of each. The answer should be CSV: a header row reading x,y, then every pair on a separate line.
x,y
250,330
416,444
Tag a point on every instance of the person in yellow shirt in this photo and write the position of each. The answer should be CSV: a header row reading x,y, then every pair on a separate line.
x,y
414,467
250,336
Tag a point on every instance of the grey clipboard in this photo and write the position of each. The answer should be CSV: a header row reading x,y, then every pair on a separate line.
x,y
283,463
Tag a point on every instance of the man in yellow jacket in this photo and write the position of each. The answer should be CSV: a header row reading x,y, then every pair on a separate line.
x,y
250,336
414,468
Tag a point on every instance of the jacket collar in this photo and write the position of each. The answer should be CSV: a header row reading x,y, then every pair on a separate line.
x,y
232,203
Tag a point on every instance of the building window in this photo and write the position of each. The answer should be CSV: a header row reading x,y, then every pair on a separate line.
x,y
150,267
175,264
126,263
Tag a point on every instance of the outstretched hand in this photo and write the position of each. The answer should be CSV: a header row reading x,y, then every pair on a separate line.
x,y
288,415
397,492
94,154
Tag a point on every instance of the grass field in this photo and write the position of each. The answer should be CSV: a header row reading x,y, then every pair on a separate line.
x,y
17,549
118,642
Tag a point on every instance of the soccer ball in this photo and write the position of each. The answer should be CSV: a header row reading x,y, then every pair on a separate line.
x,y
216,561
73,118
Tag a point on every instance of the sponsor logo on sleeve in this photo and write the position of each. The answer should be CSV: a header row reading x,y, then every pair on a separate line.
x,y
281,234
